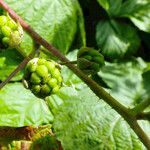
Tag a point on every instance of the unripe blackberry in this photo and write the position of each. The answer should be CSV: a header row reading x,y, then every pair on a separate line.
x,y
3,20
11,33
89,60
43,77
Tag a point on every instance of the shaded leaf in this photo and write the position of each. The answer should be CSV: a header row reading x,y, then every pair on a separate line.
x,y
116,39
104,4
9,60
85,122
112,7
139,13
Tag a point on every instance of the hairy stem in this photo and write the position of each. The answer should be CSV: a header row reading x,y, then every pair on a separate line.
x,y
98,90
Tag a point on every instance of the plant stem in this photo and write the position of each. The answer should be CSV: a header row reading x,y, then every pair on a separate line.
x,y
141,106
71,62
139,131
98,90
143,116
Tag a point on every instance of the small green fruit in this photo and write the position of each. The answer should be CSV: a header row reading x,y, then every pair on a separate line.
x,y
3,20
32,67
55,89
45,89
43,77
41,61
52,82
88,57
12,25
56,73
5,41
93,52
35,78
12,30
89,60
6,31
60,79
42,70
16,33
35,89
50,66
98,59
95,67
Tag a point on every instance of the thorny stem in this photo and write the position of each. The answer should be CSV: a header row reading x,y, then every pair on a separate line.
x,y
98,90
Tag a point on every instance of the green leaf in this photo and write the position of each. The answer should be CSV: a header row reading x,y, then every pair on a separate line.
x,y
112,7
125,80
56,21
19,107
139,13
9,60
26,46
84,122
116,39
69,78
104,4
80,37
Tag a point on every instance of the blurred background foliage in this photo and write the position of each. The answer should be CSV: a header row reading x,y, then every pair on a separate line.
x,y
119,28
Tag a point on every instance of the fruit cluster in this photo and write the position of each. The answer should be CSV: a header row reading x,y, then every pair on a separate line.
x,y
89,60
43,77
11,33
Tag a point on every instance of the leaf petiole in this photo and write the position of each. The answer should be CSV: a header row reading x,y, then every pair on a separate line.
x,y
141,106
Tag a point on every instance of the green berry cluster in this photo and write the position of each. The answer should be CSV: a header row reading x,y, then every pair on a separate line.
x,y
11,33
89,60
43,77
